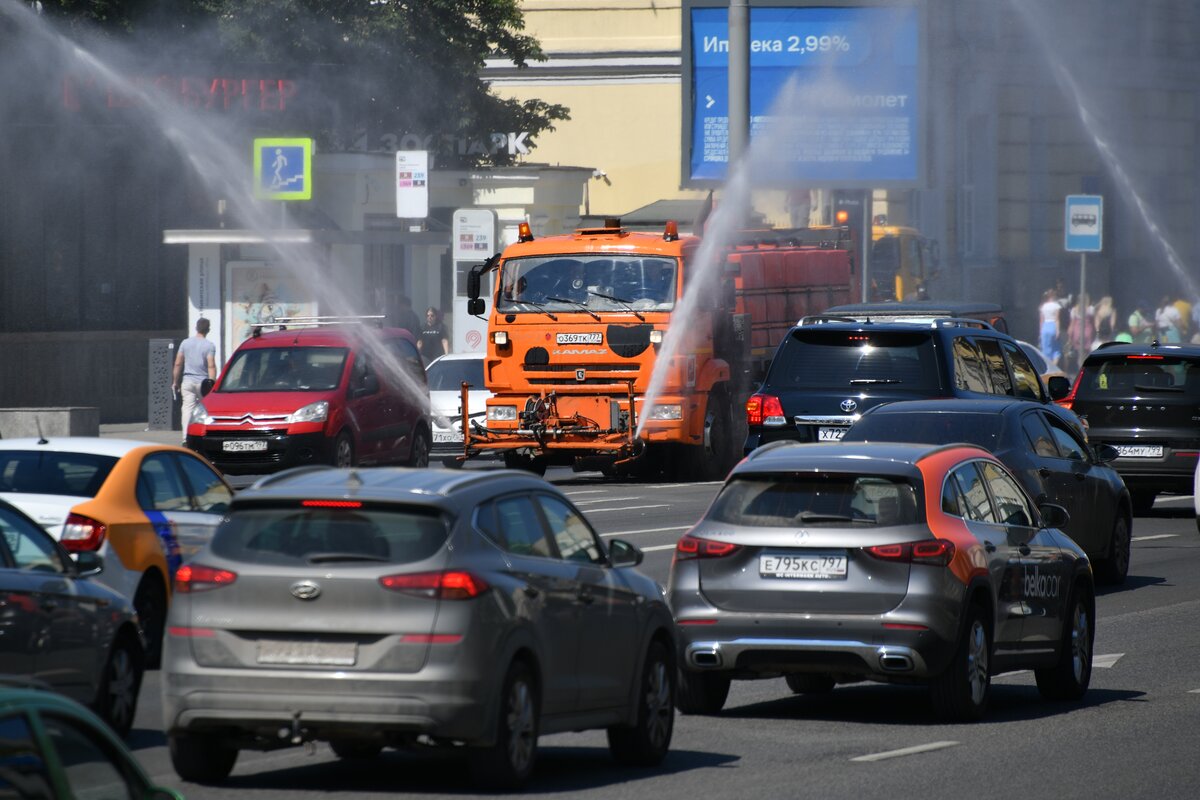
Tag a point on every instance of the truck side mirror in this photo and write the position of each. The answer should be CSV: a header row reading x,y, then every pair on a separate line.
x,y
474,281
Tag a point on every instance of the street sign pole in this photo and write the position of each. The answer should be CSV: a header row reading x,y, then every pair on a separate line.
x,y
1082,305
1083,232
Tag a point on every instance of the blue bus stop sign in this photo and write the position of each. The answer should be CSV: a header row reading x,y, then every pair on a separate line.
x,y
1084,224
283,169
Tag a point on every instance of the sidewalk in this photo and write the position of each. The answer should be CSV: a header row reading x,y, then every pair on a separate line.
x,y
137,430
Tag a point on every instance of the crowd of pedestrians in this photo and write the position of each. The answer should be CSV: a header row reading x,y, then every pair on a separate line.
x,y
1068,330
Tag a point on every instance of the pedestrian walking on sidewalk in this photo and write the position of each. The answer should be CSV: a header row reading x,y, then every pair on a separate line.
x,y
195,361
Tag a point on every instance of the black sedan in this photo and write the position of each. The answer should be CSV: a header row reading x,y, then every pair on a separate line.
x,y
1043,445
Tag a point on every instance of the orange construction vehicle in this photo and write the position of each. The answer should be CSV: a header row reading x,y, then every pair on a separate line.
x,y
577,324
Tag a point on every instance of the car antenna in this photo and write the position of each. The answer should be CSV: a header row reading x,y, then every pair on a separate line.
x,y
41,438
354,478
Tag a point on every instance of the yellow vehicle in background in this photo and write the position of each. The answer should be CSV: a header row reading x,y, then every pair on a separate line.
x,y
903,259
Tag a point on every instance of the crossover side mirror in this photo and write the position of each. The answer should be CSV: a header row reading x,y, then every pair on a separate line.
x,y
623,554
1053,515
1059,387
88,563
206,386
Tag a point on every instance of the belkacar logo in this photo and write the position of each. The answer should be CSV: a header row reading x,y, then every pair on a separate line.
x,y
1038,585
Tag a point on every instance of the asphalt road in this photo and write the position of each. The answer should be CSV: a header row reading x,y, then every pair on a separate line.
x,y
1132,736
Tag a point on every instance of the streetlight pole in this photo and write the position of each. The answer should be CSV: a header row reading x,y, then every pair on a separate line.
x,y
739,80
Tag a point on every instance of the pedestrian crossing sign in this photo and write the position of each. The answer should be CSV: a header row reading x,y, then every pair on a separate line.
x,y
283,169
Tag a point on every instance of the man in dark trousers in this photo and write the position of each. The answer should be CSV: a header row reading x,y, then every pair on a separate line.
x,y
433,341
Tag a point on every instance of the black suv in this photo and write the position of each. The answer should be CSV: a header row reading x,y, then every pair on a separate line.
x,y
1144,400
830,369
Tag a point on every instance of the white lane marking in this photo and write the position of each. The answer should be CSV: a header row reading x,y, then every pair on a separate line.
x,y
605,500
1155,536
648,530
906,751
677,485
1183,498
585,491
1194,691
657,547
1106,661
626,508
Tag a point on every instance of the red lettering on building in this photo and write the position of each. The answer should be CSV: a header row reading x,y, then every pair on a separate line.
x,y
218,93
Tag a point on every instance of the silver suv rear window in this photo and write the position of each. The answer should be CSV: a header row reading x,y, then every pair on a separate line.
x,y
812,499
305,535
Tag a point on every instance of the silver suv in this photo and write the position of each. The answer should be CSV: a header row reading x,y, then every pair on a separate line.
x,y
376,608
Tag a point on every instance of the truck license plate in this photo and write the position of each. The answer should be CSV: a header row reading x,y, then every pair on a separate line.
x,y
579,338
830,434
243,445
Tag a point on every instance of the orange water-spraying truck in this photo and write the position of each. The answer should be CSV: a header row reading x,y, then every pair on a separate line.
x,y
577,323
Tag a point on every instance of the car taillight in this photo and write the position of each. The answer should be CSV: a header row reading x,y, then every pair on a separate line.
x,y
938,552
764,409
694,547
199,578
448,585
82,533
1069,401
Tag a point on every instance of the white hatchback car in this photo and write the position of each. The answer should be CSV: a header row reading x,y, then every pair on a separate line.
x,y
445,376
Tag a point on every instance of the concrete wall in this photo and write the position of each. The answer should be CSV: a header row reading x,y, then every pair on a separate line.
x,y
17,423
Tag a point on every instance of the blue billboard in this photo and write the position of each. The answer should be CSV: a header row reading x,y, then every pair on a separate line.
x,y
835,94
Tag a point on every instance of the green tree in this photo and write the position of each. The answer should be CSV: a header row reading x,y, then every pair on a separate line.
x,y
386,68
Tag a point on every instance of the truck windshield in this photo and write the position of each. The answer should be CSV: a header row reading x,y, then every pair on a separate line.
x,y
599,283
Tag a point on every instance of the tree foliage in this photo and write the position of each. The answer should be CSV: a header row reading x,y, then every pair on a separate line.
x,y
385,68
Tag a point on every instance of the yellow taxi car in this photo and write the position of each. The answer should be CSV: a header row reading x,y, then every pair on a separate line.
x,y
144,507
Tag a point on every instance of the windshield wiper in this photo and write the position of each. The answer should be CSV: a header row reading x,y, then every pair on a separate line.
x,y
539,308
576,303
325,558
813,516
1145,387
863,381
625,303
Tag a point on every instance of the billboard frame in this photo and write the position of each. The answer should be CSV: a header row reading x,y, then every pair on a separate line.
x,y
688,90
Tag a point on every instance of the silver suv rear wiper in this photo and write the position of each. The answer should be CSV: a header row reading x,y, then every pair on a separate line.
x,y
863,381
325,558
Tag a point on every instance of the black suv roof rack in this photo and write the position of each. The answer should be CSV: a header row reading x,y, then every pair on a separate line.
x,y
312,321
872,319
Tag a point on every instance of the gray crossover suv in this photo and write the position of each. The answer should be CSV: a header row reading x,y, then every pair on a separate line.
x,y
903,563
386,607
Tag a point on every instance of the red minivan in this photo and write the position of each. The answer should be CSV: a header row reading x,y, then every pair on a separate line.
x,y
341,395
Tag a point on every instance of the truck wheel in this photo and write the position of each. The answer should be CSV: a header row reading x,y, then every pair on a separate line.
x,y
718,440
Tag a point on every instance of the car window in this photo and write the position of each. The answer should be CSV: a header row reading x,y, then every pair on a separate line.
x,y
408,358
788,499
1125,375
951,498
211,493
48,472
341,531
575,539
811,358
997,369
1026,377
89,765
521,528
1034,357
974,499
927,427
285,369
970,373
1068,445
449,374
23,771
31,548
1039,435
1011,504
160,486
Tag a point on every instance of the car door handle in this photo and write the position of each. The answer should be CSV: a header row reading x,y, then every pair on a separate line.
x,y
1023,549
989,547
1079,476
530,591
585,597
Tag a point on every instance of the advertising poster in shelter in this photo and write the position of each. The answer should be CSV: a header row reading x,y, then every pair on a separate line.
x,y
262,292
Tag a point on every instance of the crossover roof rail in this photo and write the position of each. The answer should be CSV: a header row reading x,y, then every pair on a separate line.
x,y
925,322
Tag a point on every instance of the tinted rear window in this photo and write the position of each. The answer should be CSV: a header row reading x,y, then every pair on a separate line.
x,y
812,499
1124,376
451,374
43,472
292,536
812,358
930,427
285,369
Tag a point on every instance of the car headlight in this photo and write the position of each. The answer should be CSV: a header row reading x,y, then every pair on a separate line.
x,y
313,412
667,411
502,413
500,337
656,336
200,415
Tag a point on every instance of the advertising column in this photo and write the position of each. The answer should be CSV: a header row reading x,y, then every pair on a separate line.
x,y
474,241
